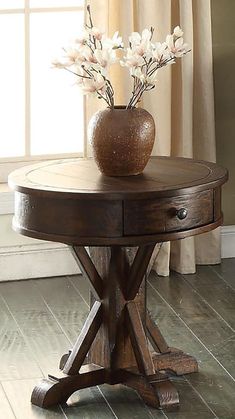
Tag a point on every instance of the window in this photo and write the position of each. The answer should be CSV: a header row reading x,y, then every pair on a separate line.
x,y
41,109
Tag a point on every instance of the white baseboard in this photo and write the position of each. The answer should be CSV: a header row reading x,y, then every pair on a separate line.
x,y
36,261
6,200
228,241
42,260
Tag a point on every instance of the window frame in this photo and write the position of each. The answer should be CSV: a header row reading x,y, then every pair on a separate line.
x,y
8,164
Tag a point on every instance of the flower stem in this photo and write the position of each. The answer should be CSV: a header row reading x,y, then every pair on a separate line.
x,y
89,15
76,74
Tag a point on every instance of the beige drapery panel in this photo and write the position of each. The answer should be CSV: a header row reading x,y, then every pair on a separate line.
x,y
182,104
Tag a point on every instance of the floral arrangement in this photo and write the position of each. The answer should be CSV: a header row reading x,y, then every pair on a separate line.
x,y
91,54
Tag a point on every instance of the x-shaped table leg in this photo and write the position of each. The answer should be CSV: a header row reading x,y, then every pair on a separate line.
x,y
115,335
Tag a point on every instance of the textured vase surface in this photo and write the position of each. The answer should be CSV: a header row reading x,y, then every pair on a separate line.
x,y
122,140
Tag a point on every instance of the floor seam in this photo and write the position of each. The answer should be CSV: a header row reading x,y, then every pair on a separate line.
x,y
201,397
206,302
108,404
53,315
221,277
8,400
78,292
22,334
198,339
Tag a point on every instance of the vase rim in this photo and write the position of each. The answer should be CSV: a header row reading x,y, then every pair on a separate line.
x,y
121,108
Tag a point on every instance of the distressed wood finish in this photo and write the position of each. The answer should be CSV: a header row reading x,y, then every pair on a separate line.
x,y
54,390
88,270
93,209
156,216
138,340
84,341
71,202
138,269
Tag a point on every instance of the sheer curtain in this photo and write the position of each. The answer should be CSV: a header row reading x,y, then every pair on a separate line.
x,y
182,104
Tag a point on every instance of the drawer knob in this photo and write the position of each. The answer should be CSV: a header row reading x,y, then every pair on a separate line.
x,y
181,213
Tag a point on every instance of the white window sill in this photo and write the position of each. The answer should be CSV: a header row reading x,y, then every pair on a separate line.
x,y
6,199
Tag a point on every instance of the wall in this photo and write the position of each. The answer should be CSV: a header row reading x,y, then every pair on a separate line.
x,y
8,237
22,257
223,35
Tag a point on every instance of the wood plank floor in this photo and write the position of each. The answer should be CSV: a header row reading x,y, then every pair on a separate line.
x,y
40,320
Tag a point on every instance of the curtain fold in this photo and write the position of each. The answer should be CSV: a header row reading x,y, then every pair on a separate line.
x,y
182,103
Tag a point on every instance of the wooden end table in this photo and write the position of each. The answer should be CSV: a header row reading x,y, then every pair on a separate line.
x,y
121,220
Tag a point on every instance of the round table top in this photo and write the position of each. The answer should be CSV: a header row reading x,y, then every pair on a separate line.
x,y
80,178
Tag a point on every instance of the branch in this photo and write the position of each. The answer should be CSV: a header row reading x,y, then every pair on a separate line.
x,y
76,74
89,15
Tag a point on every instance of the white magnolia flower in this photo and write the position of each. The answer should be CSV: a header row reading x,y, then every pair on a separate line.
x,y
82,38
135,38
73,56
177,48
144,78
58,64
161,52
132,59
151,80
88,55
136,72
178,32
97,33
91,53
112,43
104,57
144,49
140,44
94,85
147,35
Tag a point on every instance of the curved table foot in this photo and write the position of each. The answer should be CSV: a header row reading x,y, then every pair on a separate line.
x,y
49,393
53,391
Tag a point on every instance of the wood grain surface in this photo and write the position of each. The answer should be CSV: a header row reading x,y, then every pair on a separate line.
x,y
80,178
71,202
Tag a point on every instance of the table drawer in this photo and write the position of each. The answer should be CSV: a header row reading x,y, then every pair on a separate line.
x,y
168,214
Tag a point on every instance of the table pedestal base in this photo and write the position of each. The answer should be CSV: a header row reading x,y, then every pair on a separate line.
x,y
116,335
